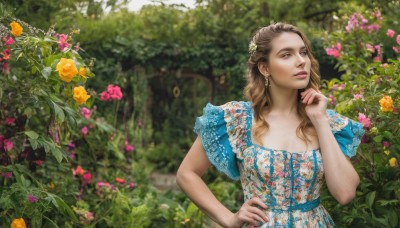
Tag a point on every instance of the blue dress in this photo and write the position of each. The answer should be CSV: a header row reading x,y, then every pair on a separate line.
x,y
289,183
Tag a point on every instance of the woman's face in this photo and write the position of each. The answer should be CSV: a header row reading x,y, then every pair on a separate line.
x,y
289,64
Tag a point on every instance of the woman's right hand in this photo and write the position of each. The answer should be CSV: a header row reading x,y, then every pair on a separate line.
x,y
250,213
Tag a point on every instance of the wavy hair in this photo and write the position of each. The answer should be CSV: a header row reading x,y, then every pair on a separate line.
x,y
259,95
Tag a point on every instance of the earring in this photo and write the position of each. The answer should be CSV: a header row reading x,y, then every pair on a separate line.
x,y
266,81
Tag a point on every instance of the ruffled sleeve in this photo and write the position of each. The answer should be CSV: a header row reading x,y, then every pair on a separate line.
x,y
222,130
347,132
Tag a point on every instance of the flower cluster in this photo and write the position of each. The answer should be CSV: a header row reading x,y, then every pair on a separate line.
x,y
112,93
334,50
252,47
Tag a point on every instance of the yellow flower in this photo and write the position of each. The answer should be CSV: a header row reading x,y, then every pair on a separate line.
x,y
83,72
18,223
66,69
386,104
16,28
386,152
80,95
186,220
392,162
374,130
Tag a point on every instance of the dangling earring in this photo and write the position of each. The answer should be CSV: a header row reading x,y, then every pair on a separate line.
x,y
266,81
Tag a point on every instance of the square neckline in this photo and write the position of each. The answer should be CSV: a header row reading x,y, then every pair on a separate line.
x,y
250,125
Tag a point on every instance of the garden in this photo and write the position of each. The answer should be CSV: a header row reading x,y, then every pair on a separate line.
x,y
98,102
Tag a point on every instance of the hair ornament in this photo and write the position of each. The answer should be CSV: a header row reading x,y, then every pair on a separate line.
x,y
252,47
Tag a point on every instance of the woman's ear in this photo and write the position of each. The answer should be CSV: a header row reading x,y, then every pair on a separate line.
x,y
262,67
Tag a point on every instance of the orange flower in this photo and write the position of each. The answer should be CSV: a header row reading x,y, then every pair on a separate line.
x,y
80,95
78,171
392,162
386,104
18,223
120,180
16,28
83,72
66,69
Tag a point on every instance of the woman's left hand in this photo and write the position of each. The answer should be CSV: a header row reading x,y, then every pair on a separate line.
x,y
315,102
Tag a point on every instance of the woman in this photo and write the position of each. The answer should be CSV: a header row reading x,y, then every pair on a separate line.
x,y
282,144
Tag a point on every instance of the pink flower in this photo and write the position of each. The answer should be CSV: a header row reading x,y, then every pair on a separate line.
x,y
386,144
8,145
89,216
377,14
129,148
390,33
356,21
370,48
7,175
398,39
332,99
132,185
87,178
85,112
376,59
38,162
63,41
9,41
396,49
71,145
10,121
373,27
358,96
105,96
85,131
32,198
77,48
342,86
115,92
366,122
334,50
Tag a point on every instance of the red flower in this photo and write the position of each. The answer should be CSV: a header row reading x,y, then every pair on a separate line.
x,y
10,121
87,178
120,180
78,171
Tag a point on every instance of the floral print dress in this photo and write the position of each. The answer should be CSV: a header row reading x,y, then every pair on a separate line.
x,y
289,183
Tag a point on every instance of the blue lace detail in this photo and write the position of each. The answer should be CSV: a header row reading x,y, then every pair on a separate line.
x,y
211,127
347,132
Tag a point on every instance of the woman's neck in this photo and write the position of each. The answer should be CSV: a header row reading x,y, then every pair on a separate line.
x,y
284,101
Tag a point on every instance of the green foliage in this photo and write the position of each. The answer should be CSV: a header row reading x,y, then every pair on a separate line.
x,y
369,74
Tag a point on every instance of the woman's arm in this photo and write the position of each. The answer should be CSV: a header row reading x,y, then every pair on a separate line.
x,y
189,180
341,177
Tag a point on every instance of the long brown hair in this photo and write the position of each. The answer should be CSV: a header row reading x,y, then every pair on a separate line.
x,y
256,91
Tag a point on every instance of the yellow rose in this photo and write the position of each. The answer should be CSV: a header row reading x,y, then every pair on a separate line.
x,y
18,223
386,152
386,104
392,162
80,95
83,72
16,28
66,69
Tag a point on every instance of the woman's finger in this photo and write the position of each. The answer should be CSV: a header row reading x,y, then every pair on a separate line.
x,y
258,202
307,96
312,98
259,214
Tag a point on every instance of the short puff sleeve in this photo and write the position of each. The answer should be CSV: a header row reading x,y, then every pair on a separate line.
x,y
347,132
222,130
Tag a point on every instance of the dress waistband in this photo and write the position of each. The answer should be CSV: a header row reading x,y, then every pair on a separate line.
x,y
307,206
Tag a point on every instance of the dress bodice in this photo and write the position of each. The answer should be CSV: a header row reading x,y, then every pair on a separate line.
x,y
288,183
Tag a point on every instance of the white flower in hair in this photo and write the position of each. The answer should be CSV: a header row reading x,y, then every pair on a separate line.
x,y
252,47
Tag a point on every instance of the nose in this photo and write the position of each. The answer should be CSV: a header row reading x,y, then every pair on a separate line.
x,y
301,61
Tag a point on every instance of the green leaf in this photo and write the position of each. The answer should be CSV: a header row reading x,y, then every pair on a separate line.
x,y
57,153
34,143
370,198
59,112
31,134
378,138
46,72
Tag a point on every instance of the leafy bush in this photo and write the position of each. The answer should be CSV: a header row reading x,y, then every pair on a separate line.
x,y
366,49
